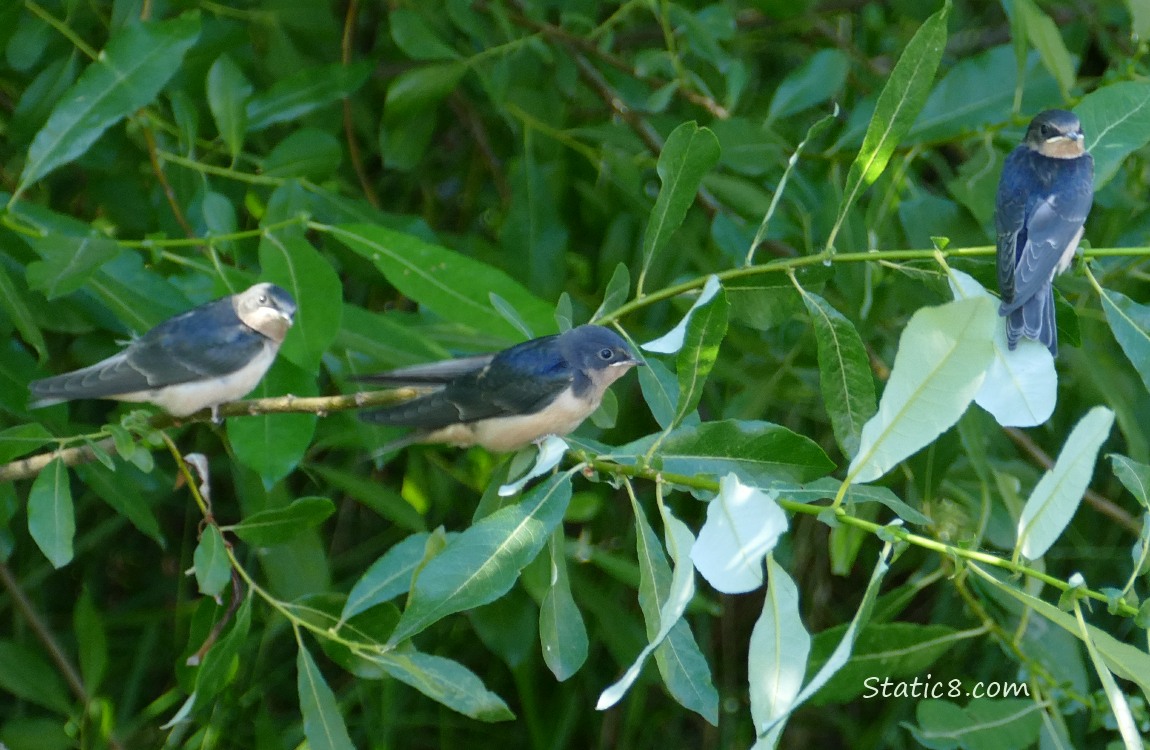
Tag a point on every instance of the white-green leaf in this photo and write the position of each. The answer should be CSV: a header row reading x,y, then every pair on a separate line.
x,y
548,455
743,525
1021,385
942,358
1130,323
1131,737
388,577
778,651
210,560
1134,477
562,633
445,681
672,341
1056,496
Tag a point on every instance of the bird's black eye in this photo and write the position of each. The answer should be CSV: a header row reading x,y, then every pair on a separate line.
x,y
606,355
263,299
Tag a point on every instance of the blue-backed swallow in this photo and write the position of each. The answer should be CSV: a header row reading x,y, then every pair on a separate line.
x,y
1044,196
212,354
545,386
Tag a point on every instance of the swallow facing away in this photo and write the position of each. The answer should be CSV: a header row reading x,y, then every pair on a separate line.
x,y
210,355
1044,196
545,386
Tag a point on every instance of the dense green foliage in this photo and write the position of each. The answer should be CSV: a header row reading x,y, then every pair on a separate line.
x,y
810,183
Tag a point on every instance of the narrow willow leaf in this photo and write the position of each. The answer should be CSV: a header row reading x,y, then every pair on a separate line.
x,y
26,674
272,445
670,612
228,92
1021,386
504,308
942,357
1130,323
618,288
1131,737
778,651
760,453
305,91
842,652
483,562
562,633
1127,661
447,283
387,577
322,723
128,74
705,332
743,525
688,154
1133,475
13,302
292,262
281,524
660,389
67,262
210,561
1047,39
548,454
91,640
817,80
845,378
51,515
445,681
1056,496
21,439
898,106
672,341
984,722
219,665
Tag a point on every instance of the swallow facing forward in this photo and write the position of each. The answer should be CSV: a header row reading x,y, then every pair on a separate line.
x,y
207,356
1044,196
546,386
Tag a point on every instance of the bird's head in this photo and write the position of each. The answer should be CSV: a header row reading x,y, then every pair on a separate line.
x,y
599,352
1056,133
266,308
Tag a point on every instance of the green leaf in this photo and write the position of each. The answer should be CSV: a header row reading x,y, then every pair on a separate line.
x,y
135,294
743,525
483,562
1139,18
1130,323
1115,121
219,665
845,377
228,93
898,106
272,445
14,302
446,682
51,515
663,595
778,651
121,488
415,36
278,525
290,261
322,723
758,452
308,153
1056,496
451,285
388,577
817,80
618,288
1119,707
983,723
91,641
1047,39
562,633
688,154
942,357
306,91
416,90
895,650
210,561
21,439
706,329
137,63
68,262
534,232
26,675
660,389
1134,476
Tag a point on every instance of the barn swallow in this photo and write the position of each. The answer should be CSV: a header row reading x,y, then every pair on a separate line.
x,y
545,386
1044,196
211,354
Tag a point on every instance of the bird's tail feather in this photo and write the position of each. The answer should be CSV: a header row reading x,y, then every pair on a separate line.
x,y
1034,319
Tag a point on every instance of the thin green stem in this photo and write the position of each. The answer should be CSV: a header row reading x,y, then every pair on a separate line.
x,y
61,27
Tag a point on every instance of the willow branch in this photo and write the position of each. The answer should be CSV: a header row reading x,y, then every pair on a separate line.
x,y
27,468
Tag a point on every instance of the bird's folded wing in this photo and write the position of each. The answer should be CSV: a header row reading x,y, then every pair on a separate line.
x,y
434,373
1052,228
